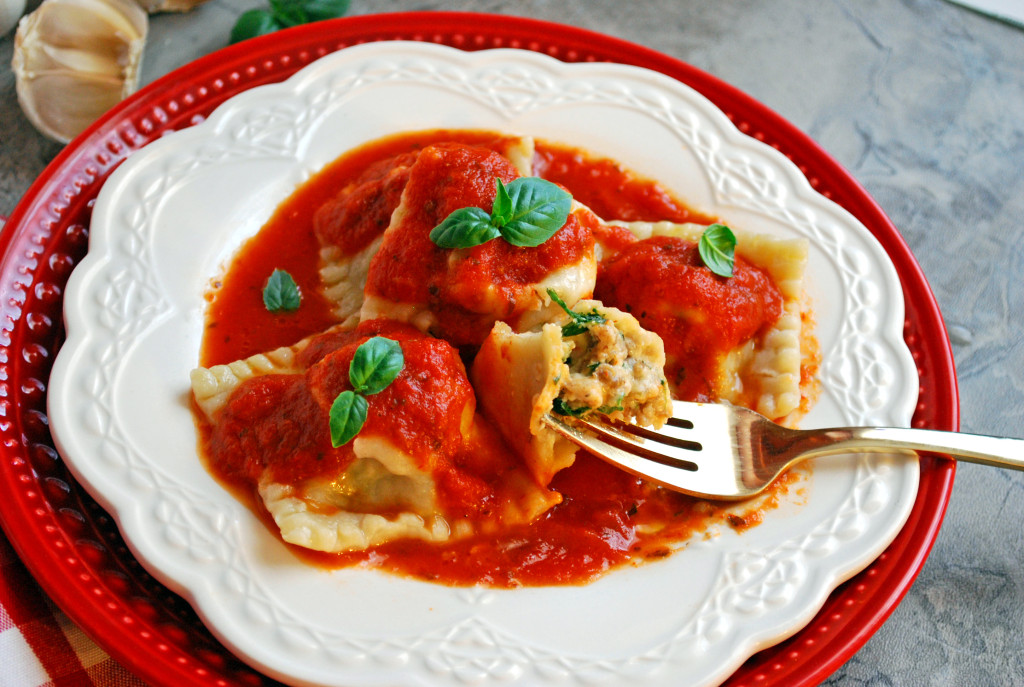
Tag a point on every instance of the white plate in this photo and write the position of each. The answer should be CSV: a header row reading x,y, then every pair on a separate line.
x,y
175,211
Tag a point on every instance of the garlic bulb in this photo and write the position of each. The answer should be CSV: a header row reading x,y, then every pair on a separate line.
x,y
75,59
10,11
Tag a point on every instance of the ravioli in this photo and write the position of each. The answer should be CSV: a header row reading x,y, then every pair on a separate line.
x,y
458,294
351,225
609,366
737,339
421,467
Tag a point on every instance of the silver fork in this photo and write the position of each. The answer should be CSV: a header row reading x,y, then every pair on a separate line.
x,y
721,451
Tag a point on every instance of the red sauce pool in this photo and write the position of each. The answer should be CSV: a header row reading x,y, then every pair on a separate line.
x,y
607,518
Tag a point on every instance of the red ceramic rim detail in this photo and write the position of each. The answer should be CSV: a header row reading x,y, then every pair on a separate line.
x,y
71,544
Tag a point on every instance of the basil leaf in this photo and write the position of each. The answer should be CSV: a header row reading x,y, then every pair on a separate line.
x,y
464,228
281,292
318,10
254,23
347,416
289,13
283,14
375,365
580,321
539,209
501,212
526,212
717,249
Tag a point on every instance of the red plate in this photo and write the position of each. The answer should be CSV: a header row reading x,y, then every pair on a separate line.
x,y
73,547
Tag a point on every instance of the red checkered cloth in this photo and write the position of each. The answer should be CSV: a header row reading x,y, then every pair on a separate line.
x,y
39,645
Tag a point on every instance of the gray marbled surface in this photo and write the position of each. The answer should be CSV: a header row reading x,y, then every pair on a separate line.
x,y
923,102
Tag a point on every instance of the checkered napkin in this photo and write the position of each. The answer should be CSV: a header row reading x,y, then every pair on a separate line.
x,y
39,645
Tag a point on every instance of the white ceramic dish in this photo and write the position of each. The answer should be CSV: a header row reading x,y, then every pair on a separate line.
x,y
175,211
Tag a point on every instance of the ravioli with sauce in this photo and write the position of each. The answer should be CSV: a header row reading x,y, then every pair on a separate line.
x,y
423,466
350,226
458,294
607,317
739,339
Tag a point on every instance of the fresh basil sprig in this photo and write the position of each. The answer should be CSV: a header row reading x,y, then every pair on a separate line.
x,y
580,321
526,212
283,14
374,366
717,249
281,293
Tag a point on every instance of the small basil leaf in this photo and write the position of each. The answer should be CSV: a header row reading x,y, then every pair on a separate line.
x,y
580,321
289,13
464,228
608,410
254,23
560,407
281,292
717,249
347,416
501,212
318,10
539,209
375,365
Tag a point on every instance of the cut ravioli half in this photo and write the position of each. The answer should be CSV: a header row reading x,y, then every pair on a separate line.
x,y
350,226
599,361
423,465
458,294
737,339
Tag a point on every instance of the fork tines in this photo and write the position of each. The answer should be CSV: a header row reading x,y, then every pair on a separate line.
x,y
668,445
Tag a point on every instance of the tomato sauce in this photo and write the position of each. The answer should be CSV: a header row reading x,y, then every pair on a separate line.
x,y
607,518
609,189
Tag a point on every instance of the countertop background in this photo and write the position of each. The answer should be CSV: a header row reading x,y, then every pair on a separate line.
x,y
923,102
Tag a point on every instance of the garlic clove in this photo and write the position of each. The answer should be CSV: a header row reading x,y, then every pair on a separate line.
x,y
75,59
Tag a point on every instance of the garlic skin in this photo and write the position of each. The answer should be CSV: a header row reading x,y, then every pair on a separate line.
x,y
152,6
75,59
10,12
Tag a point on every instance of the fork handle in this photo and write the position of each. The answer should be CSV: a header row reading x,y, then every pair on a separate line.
x,y
973,448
